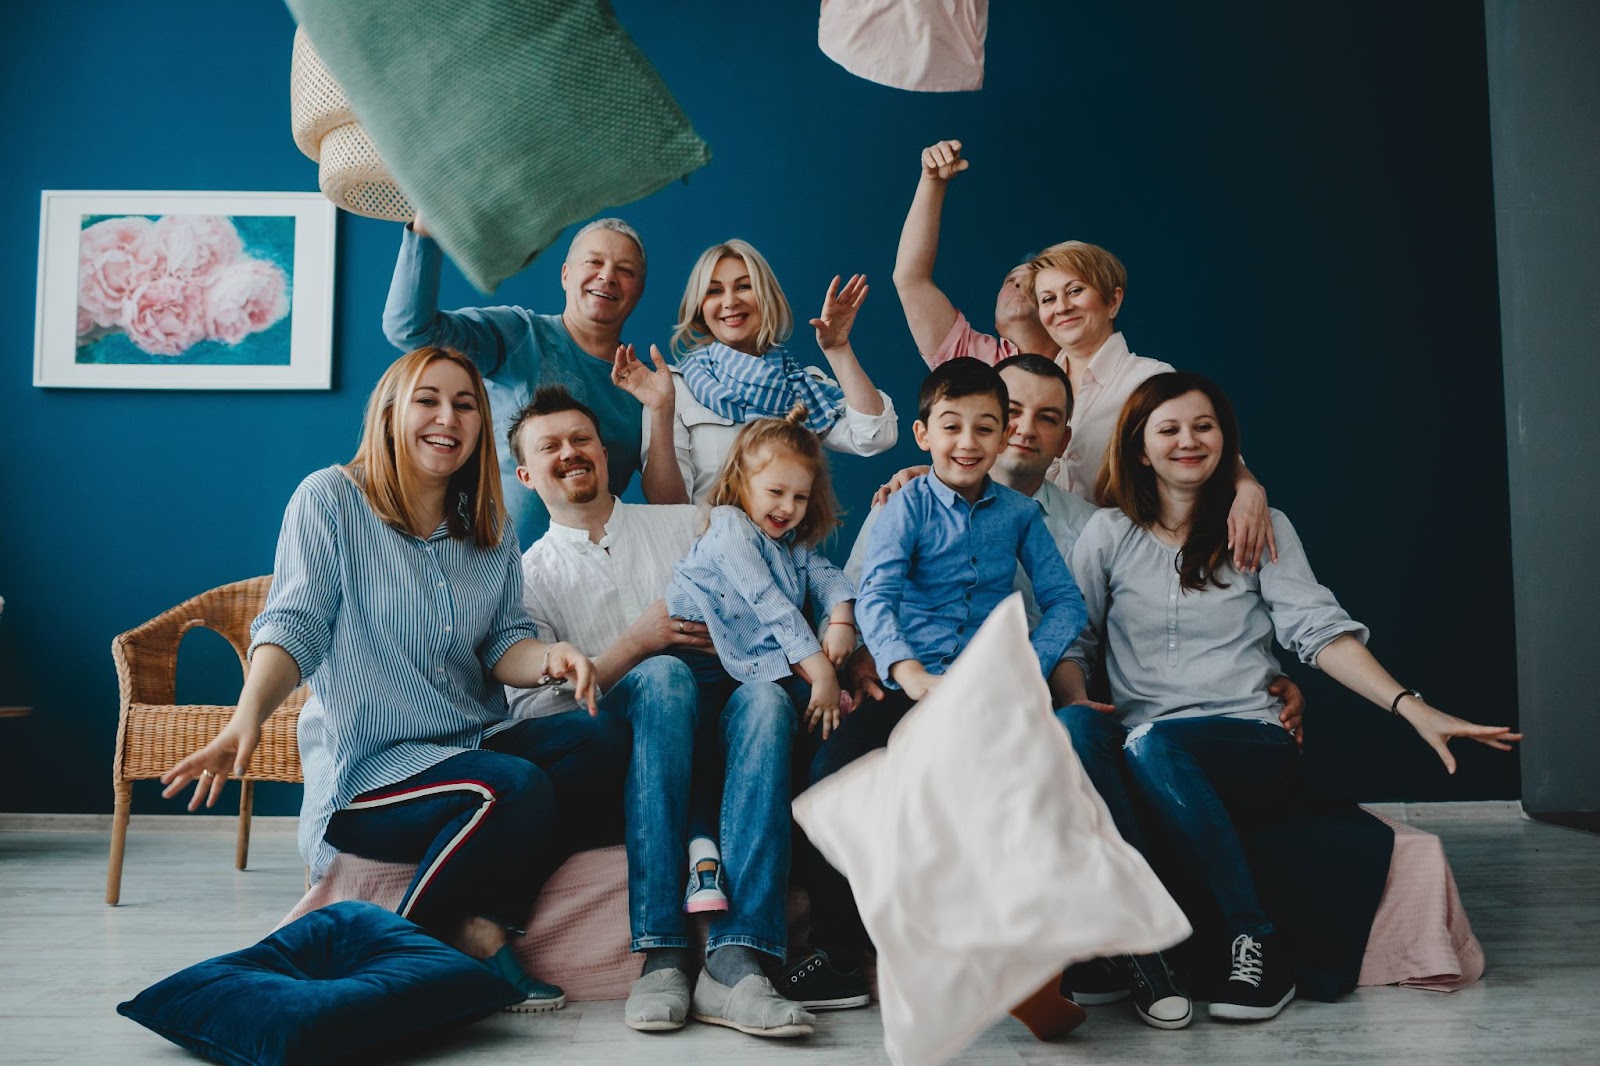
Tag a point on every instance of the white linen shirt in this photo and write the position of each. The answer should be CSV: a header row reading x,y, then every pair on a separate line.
x,y
1105,386
702,438
588,594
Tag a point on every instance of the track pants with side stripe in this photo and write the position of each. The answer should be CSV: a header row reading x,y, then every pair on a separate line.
x,y
487,827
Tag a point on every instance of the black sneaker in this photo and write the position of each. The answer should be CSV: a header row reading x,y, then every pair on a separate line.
x,y
816,985
1158,997
1259,981
1095,983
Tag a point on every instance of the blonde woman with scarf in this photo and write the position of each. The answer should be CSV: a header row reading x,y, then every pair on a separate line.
x,y
733,367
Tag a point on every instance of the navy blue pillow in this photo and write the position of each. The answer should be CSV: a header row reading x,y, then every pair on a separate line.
x,y
340,983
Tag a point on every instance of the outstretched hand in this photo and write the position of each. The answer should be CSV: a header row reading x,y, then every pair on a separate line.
x,y
839,309
228,753
1438,729
943,161
653,389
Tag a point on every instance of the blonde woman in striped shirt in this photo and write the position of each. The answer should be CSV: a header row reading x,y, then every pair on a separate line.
x,y
397,596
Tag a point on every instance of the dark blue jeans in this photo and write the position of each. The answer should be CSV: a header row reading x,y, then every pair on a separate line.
x,y
486,827
1197,777
691,723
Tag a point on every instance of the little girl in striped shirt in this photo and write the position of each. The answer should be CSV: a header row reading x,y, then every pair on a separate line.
x,y
750,574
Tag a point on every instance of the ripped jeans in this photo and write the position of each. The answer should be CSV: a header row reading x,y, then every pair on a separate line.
x,y
1195,776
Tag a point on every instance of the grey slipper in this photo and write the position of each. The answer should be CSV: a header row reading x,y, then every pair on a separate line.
x,y
658,1001
752,1006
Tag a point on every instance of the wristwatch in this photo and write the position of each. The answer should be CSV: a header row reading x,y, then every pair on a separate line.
x,y
1394,706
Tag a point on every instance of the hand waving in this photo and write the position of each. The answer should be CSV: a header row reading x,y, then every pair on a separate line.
x,y
839,309
653,389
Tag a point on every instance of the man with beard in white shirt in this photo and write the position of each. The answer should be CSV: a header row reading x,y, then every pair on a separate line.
x,y
596,577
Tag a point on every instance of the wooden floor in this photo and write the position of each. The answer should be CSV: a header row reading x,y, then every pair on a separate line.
x,y
66,959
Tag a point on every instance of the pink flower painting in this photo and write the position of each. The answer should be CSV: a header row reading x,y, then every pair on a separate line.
x,y
244,297
172,283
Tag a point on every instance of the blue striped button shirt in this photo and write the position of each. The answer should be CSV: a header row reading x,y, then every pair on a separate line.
x,y
937,565
748,589
396,636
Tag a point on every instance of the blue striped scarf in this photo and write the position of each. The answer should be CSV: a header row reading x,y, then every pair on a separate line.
x,y
743,388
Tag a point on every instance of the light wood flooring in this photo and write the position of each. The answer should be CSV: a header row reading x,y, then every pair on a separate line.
x,y
1532,892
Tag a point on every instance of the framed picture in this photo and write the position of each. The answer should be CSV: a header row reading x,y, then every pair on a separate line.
x,y
184,290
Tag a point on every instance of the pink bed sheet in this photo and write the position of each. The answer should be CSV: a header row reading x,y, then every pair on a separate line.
x,y
578,933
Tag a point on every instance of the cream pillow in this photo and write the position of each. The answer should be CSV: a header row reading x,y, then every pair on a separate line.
x,y
981,857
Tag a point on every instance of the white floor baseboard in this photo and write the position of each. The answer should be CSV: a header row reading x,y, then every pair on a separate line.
x,y
228,822
168,823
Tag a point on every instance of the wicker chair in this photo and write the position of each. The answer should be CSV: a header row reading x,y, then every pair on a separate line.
x,y
153,733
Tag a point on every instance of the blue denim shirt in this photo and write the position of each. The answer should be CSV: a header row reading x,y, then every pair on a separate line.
x,y
748,589
517,351
937,565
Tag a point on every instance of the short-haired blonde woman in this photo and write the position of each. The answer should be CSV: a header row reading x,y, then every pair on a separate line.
x,y
397,594
733,367
1078,288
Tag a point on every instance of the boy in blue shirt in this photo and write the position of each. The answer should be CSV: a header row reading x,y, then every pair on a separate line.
x,y
943,554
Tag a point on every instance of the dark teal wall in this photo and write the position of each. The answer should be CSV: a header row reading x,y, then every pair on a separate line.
x,y
1303,199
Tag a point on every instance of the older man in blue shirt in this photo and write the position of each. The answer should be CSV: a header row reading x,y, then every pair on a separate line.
x,y
579,349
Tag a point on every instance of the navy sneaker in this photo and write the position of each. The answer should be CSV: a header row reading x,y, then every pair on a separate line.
x,y
540,995
1158,998
1259,981
1095,982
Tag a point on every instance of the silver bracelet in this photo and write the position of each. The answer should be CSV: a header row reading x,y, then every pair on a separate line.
x,y
545,680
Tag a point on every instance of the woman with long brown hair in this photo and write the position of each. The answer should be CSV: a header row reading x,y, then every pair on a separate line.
x,y
397,596
1194,735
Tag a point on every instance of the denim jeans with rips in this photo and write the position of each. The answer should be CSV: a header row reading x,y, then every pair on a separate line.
x,y
1195,777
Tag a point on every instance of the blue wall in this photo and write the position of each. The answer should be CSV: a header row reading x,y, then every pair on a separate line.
x,y
1304,202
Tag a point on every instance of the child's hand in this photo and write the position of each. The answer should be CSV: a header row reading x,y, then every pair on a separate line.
x,y
914,679
838,643
823,709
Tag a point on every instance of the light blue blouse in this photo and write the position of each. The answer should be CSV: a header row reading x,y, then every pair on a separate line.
x,y
396,636
1186,654
749,589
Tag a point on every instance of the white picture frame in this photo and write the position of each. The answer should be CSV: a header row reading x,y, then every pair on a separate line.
x,y
184,290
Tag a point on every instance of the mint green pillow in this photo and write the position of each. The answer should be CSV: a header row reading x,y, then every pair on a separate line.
x,y
504,122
